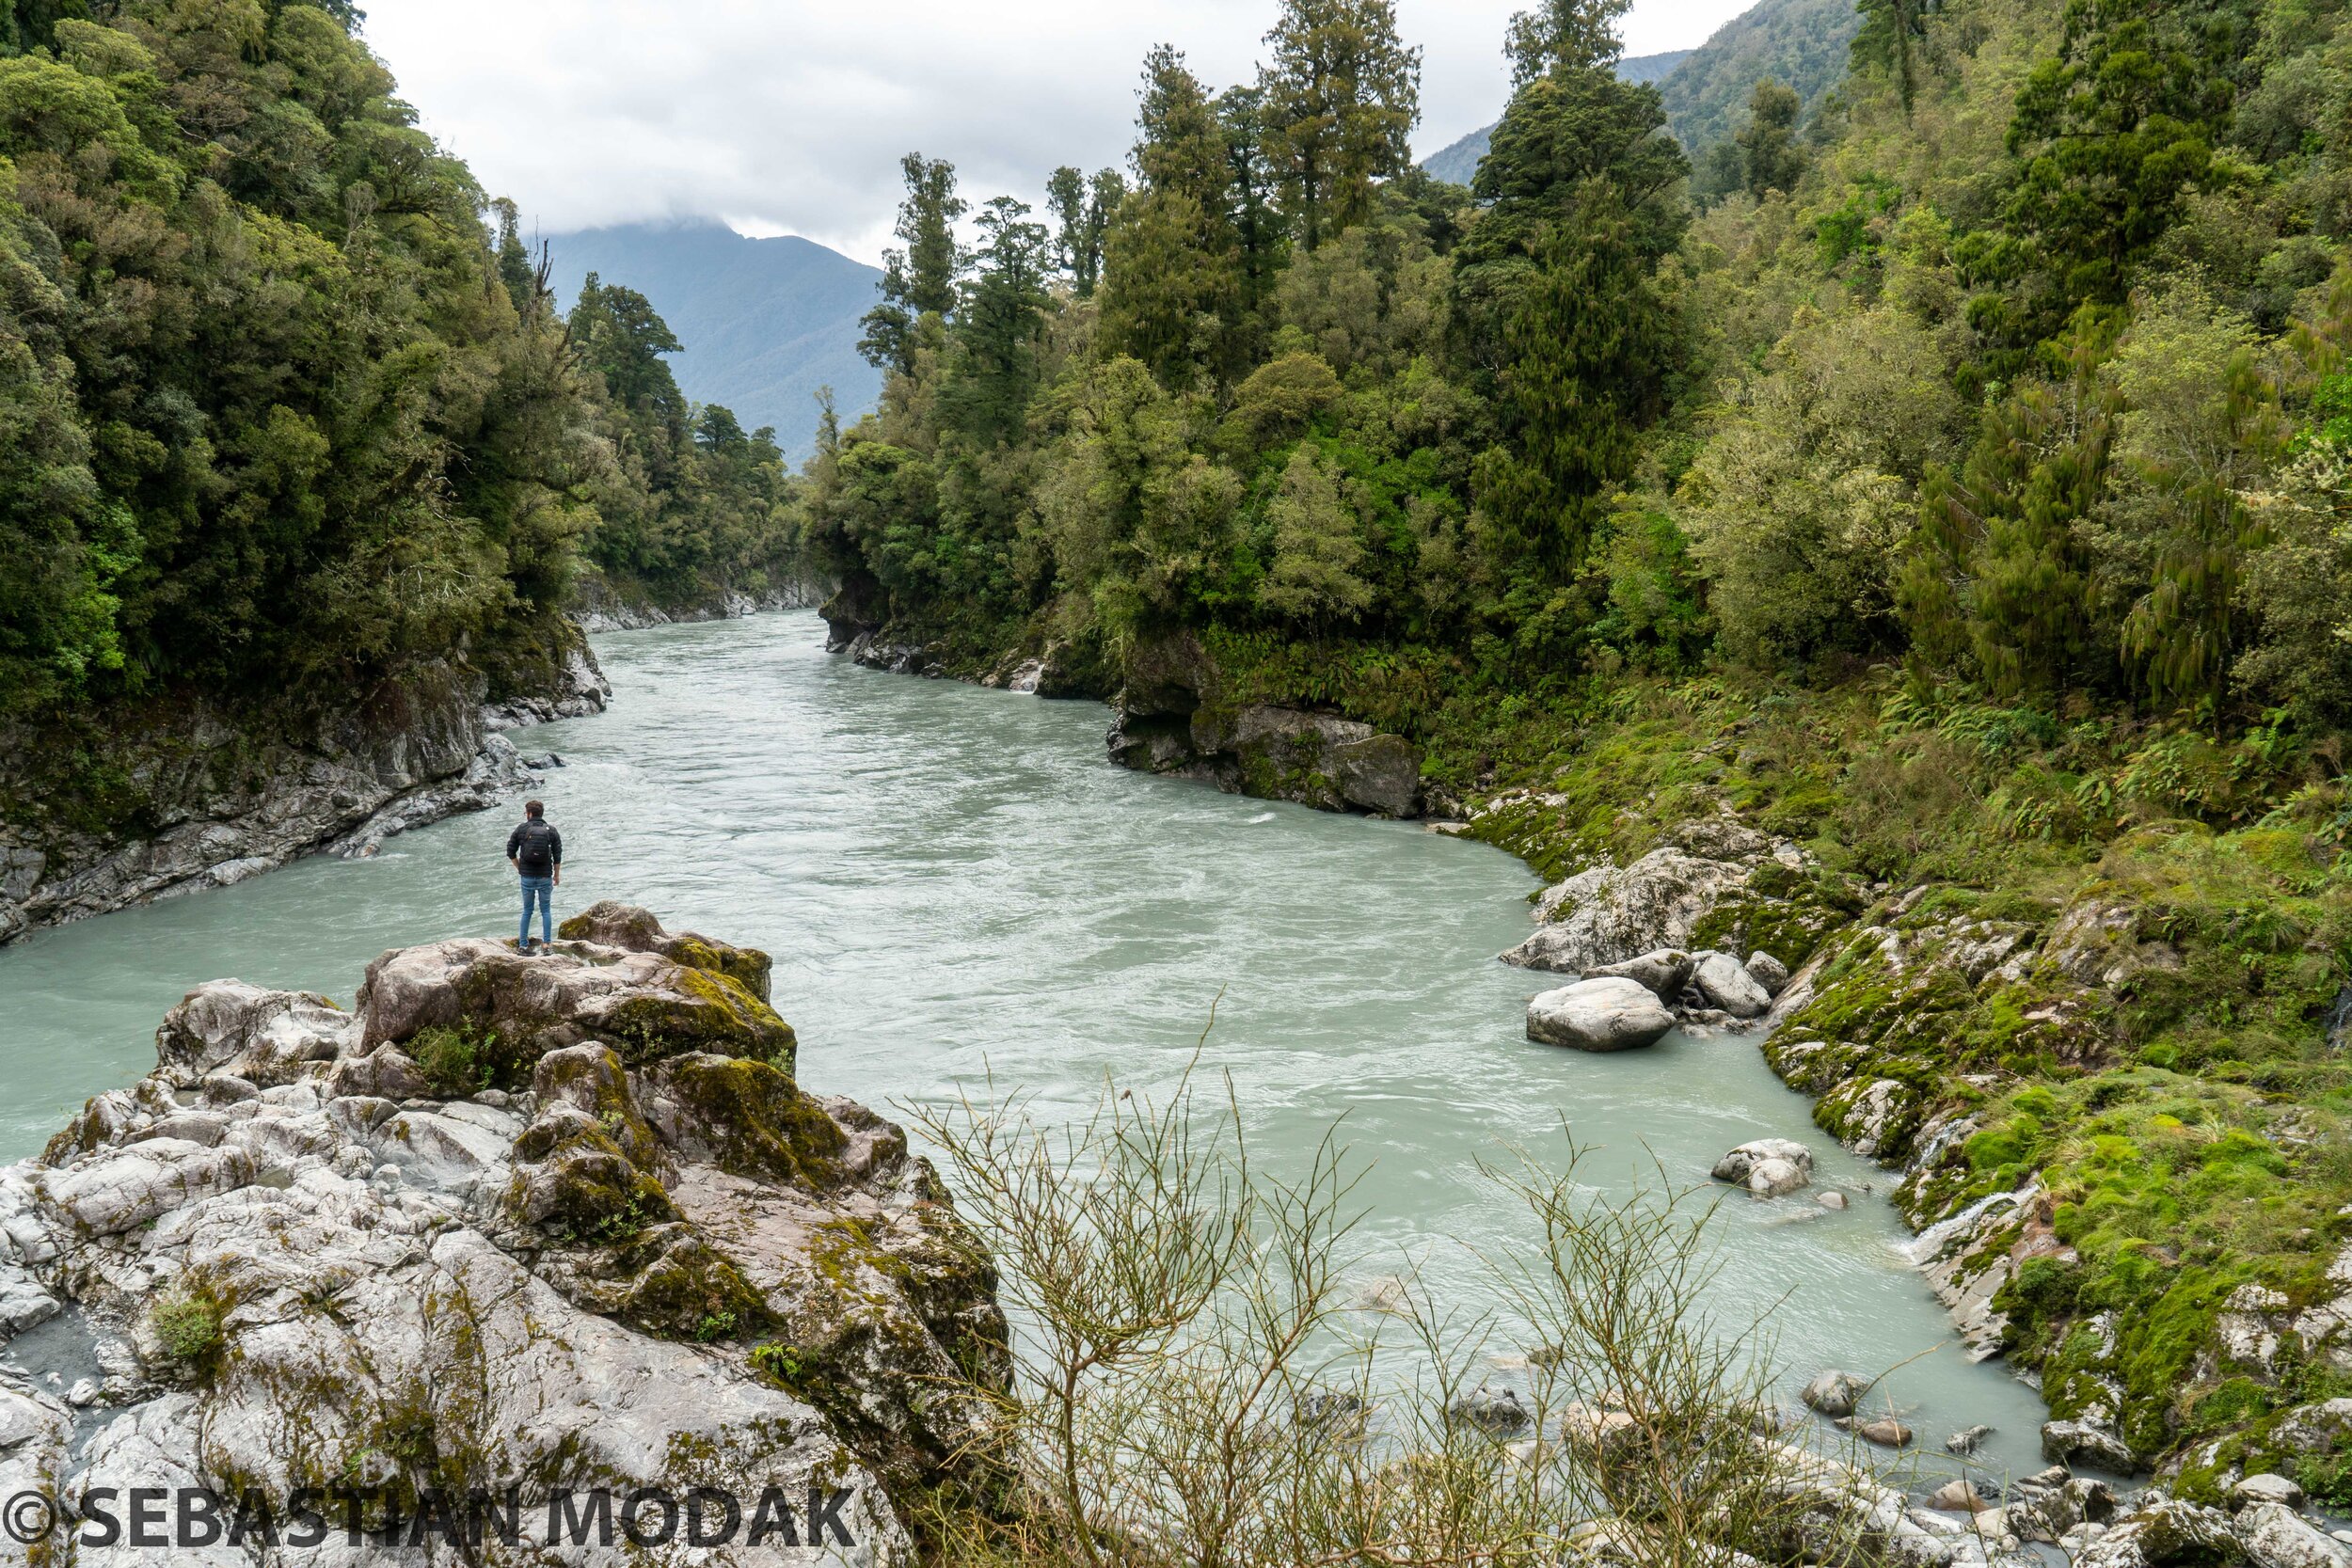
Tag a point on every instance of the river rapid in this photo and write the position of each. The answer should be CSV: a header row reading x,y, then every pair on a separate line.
x,y
956,884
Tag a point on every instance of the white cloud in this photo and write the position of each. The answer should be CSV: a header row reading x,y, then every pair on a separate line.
x,y
790,118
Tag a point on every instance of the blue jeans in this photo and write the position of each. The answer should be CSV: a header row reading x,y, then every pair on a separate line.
x,y
541,891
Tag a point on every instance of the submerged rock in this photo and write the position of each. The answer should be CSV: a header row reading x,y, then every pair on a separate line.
x,y
1491,1410
1611,1014
558,1222
1967,1441
1835,1393
1767,1168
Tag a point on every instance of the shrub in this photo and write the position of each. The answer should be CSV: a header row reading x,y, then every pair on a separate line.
x,y
455,1061
188,1324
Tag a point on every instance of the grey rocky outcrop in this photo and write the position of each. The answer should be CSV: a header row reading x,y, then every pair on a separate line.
x,y
1608,915
565,1221
1767,1167
2086,1441
2274,1536
1609,1014
1175,717
598,607
577,691
221,804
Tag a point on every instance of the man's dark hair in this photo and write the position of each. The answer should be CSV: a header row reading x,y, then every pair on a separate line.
x,y
535,808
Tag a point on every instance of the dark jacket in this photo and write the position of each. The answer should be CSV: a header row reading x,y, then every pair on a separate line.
x,y
537,848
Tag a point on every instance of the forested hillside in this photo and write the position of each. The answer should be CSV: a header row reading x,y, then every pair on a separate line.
x,y
1959,492
1800,44
287,408
763,324
1457,162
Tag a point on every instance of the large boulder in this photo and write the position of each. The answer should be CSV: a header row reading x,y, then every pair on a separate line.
x,y
1611,1014
262,1037
2084,1441
2274,1536
2161,1531
516,1007
1726,983
611,924
1767,1168
1664,973
640,1262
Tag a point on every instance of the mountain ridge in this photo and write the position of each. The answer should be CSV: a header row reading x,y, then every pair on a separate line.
x,y
765,323
1799,43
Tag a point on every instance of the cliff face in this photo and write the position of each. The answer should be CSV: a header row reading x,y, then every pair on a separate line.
x,y
515,1226
189,794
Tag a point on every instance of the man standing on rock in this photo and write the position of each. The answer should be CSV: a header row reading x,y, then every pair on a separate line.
x,y
535,850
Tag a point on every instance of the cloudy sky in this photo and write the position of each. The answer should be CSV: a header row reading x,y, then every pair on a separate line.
x,y
790,116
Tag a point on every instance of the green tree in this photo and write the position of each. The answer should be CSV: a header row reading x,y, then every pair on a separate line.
x,y
919,281
2110,135
1172,262
1082,210
1252,194
1771,156
1341,98
1585,348
1891,38
1564,35
1999,582
1318,546
1574,137
526,284
617,334
992,370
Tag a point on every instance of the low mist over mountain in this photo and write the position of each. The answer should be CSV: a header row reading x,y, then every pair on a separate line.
x,y
765,322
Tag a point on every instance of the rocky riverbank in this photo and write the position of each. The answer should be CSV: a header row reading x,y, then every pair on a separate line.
x,y
601,605
1918,1019
554,1224
1175,713
2104,1057
188,796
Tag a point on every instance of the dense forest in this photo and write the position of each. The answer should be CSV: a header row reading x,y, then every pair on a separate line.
x,y
285,404
1953,476
2047,399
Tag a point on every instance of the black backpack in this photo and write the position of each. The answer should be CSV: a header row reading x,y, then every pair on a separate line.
x,y
534,852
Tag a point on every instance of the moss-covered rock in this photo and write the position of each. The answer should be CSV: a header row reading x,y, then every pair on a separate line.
x,y
747,1118
611,924
644,1005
